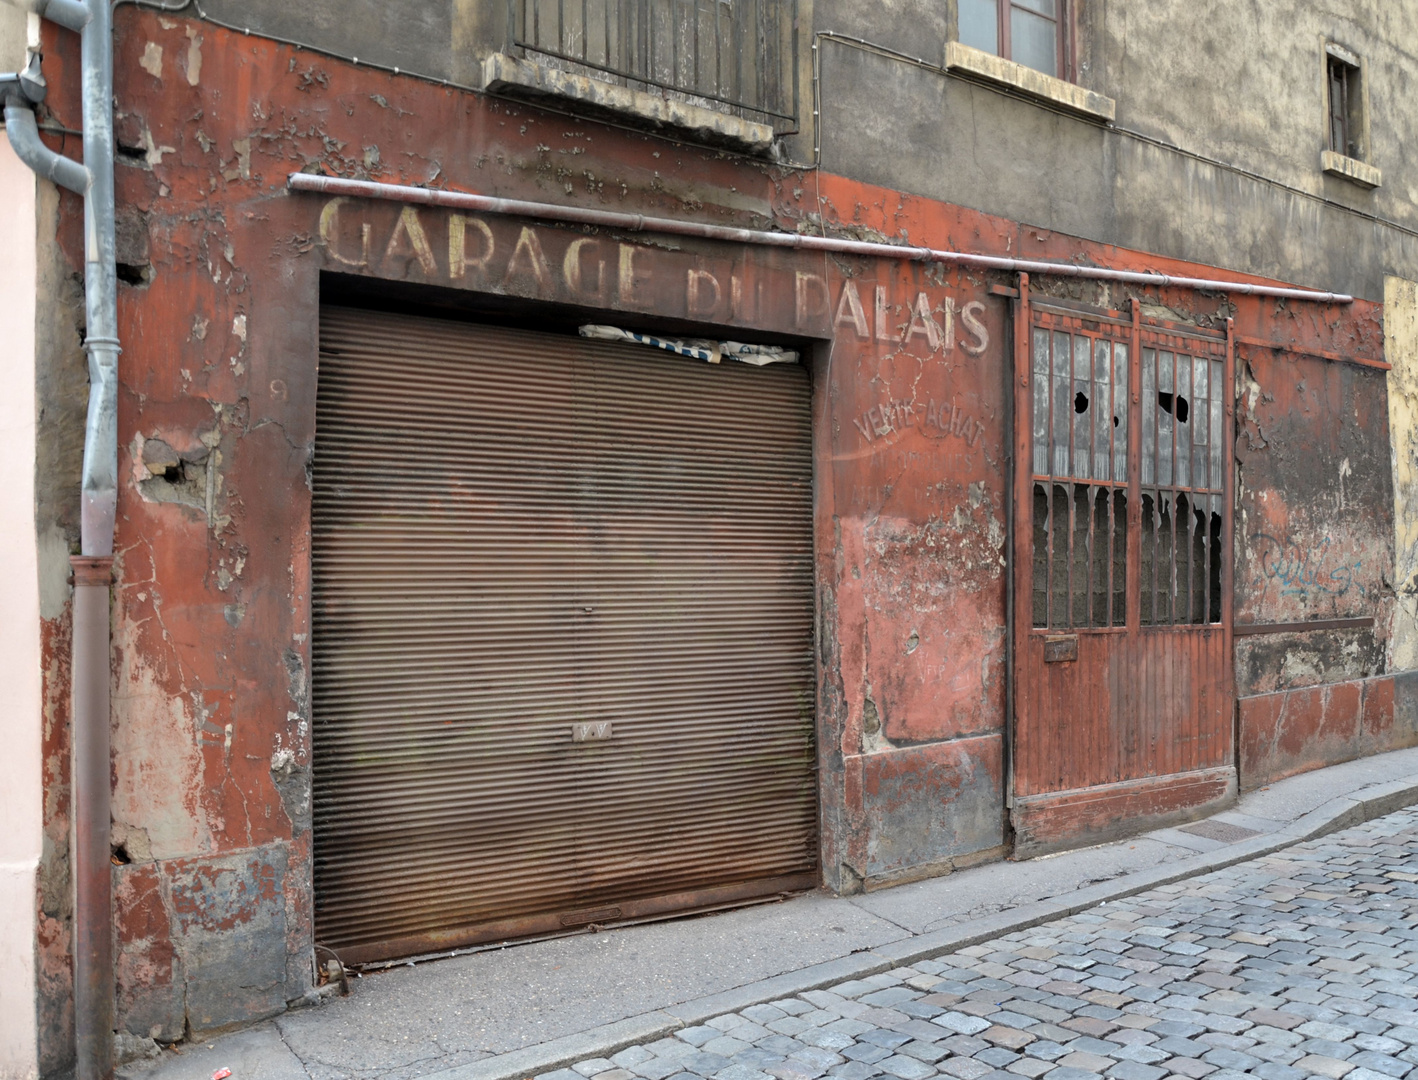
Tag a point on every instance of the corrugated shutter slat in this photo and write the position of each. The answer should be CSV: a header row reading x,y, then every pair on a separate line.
x,y
514,533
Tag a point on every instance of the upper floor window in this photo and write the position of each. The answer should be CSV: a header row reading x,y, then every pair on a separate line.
x,y
1029,32
1345,100
1347,151
739,54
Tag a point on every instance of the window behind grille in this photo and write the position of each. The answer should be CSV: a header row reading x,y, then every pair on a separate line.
x,y
1080,441
1341,139
1081,417
1182,479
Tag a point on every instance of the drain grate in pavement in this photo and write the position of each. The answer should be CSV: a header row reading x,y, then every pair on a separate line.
x,y
1220,830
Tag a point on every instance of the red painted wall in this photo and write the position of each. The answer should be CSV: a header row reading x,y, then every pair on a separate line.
x,y
212,618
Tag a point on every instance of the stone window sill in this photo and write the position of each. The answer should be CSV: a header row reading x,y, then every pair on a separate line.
x,y
518,77
1358,172
989,68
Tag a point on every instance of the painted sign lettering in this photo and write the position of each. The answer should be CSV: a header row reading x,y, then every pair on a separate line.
x,y
749,286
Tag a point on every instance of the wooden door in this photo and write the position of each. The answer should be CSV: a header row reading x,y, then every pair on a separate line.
x,y
1123,693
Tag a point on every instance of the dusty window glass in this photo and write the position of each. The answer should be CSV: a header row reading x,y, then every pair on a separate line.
x,y
1345,103
1034,41
979,24
1025,31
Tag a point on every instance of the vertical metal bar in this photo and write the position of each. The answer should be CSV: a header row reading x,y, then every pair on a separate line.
x,y
1172,555
1050,527
1022,552
1191,556
1204,486
1191,481
793,42
1228,501
736,29
1072,490
1089,543
719,87
1049,487
93,869
1112,538
1133,569
673,79
1343,147
764,28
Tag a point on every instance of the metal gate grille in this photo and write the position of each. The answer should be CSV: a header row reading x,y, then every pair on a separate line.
x,y
521,541
1182,482
1080,443
1122,529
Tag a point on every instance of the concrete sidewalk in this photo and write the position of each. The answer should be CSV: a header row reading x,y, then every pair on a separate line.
x,y
518,1011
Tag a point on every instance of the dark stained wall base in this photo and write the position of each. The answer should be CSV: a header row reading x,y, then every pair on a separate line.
x,y
1071,819
1294,731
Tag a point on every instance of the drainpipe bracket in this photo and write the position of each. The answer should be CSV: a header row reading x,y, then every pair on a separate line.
x,y
91,570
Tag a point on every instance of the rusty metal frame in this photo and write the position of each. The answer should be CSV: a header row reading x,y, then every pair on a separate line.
x,y
1021,517
1187,610
1299,350
1360,622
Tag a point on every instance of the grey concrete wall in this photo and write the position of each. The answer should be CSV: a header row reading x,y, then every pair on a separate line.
x,y
415,35
1240,84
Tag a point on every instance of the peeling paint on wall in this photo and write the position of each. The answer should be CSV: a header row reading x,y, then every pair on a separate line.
x,y
212,617
1401,350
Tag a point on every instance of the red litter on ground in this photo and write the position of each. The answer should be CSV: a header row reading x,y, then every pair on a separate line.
x,y
221,1074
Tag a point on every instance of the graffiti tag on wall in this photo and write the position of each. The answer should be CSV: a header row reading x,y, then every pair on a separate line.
x,y
1306,570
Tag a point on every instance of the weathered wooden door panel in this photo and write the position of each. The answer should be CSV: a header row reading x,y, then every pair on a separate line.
x,y
1123,689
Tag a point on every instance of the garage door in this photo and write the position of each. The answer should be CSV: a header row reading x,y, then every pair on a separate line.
x,y
562,634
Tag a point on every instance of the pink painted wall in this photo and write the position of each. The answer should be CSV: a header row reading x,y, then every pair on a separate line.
x,y
20,704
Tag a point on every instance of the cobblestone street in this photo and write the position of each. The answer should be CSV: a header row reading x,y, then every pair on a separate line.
x,y
1302,964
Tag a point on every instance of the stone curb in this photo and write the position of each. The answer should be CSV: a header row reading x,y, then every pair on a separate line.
x,y
1339,813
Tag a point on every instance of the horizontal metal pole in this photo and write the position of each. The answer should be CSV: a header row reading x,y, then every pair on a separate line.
x,y
1362,622
487,204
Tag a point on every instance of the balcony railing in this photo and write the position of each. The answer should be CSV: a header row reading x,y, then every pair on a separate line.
x,y
738,53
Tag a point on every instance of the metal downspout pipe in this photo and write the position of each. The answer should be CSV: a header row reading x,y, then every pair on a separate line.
x,y
93,568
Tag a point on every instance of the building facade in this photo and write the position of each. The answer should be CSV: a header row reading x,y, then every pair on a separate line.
x,y
1063,488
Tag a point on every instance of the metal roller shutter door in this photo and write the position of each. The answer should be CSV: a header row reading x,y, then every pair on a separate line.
x,y
515,533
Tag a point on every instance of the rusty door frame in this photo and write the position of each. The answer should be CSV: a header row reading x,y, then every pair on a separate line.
x,y
1021,481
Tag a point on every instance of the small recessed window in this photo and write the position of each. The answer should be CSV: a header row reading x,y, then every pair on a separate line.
x,y
1345,108
1029,32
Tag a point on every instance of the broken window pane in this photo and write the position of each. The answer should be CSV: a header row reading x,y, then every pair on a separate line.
x,y
1041,401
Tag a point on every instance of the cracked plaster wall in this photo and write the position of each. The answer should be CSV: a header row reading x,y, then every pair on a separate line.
x,y
1176,72
219,318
